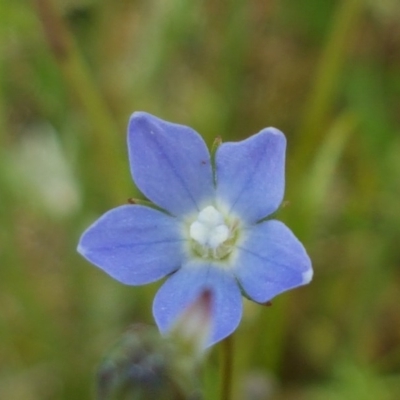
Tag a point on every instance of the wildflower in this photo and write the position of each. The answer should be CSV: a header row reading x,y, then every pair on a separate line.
x,y
211,232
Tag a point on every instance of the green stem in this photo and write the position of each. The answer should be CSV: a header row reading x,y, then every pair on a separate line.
x,y
3,127
104,136
226,368
327,78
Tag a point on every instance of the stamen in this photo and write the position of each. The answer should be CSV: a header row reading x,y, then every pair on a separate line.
x,y
211,234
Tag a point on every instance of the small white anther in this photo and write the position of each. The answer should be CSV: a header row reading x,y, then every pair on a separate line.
x,y
209,229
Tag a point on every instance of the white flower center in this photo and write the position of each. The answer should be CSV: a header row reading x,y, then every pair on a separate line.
x,y
209,229
211,235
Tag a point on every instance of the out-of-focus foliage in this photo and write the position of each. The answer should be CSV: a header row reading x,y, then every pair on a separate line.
x,y
327,73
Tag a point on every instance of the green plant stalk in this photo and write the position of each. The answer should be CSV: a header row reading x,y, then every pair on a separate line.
x,y
231,63
319,178
105,141
210,376
3,123
227,357
327,78
162,35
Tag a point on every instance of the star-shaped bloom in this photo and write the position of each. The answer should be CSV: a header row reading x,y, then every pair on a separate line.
x,y
208,230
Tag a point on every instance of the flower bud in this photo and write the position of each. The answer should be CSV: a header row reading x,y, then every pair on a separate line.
x,y
193,327
144,365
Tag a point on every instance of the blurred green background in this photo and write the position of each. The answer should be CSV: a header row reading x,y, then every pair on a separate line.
x,y
325,72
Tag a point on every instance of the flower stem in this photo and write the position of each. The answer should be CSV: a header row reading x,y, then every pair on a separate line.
x,y
226,368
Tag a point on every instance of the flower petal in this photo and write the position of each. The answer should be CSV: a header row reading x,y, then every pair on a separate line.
x,y
183,288
170,164
134,244
271,260
251,175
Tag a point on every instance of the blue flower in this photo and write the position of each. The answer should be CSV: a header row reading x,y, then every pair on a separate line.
x,y
211,232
